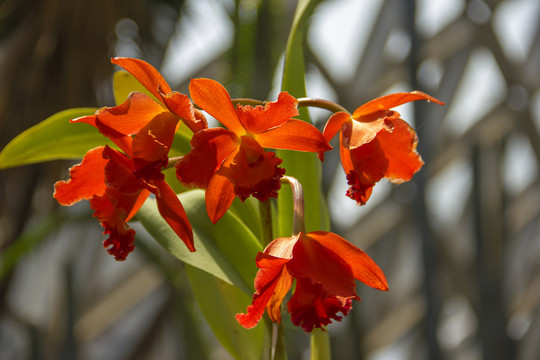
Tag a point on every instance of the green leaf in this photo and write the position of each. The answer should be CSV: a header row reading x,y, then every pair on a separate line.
x,y
303,166
219,303
225,250
124,83
52,139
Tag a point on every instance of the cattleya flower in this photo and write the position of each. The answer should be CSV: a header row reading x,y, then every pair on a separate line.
x,y
232,162
325,267
118,182
376,143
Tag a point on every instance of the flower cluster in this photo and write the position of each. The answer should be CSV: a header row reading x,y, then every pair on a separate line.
x,y
234,161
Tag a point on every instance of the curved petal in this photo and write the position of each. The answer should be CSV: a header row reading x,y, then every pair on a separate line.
x,y
294,135
363,267
152,143
129,117
399,147
145,73
87,179
334,124
173,212
267,282
143,195
219,197
282,247
358,133
390,101
209,148
212,97
119,173
257,119
315,262
182,107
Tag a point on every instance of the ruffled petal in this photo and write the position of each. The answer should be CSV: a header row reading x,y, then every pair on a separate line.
x,y
363,267
145,73
390,101
209,148
87,179
257,119
399,147
294,135
174,214
254,171
112,217
311,307
315,262
212,97
182,107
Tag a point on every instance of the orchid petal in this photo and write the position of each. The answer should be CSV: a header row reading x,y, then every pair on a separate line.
x,y
173,212
152,143
390,101
143,195
182,107
399,147
273,114
313,261
294,135
212,97
209,148
87,179
219,197
147,75
363,267
334,124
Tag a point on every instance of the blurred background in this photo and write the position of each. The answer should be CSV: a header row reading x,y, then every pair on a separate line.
x,y
459,244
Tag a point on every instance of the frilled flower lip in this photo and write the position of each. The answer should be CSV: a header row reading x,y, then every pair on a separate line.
x,y
375,143
325,266
225,153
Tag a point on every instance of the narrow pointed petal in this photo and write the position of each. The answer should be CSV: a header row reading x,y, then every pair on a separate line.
x,y
363,267
174,214
390,101
143,195
212,97
182,107
294,135
145,73
273,114
219,197
87,179
399,147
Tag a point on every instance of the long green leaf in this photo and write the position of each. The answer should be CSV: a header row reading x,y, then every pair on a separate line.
x,y
219,303
225,250
52,139
303,166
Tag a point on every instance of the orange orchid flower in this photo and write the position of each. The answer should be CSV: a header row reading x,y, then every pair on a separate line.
x,y
232,162
118,182
325,267
376,143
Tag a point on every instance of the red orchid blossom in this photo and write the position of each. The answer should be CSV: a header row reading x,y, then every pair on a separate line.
x,y
376,143
118,182
232,162
325,267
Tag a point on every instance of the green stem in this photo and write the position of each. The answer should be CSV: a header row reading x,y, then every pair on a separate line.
x,y
265,212
298,204
172,162
320,345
